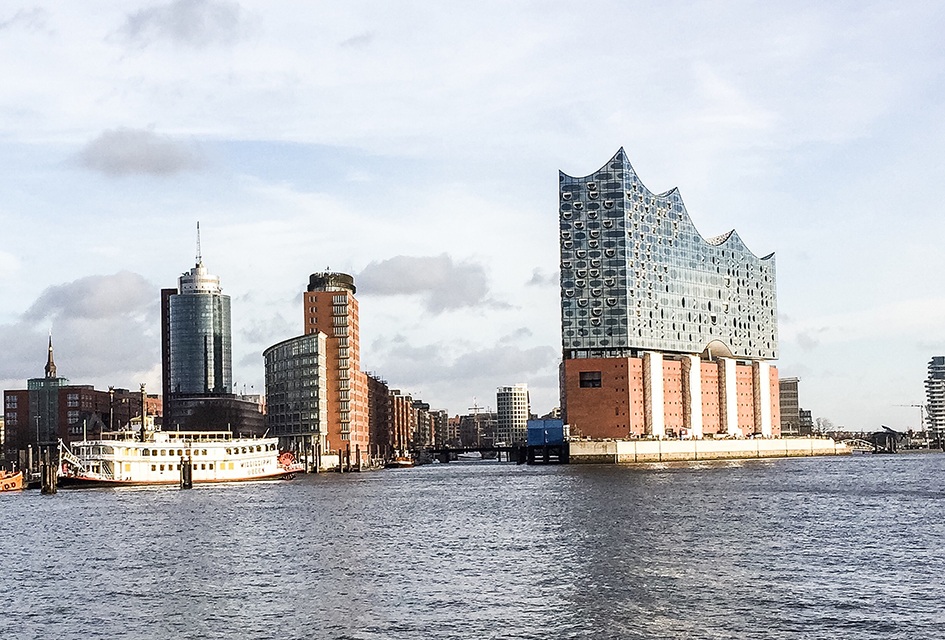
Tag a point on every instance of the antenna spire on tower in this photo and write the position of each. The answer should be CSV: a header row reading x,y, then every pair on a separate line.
x,y
199,257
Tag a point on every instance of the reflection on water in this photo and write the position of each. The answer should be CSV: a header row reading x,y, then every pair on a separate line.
x,y
806,548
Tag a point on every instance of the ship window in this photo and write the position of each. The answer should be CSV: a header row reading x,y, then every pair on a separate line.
x,y
203,467
146,452
162,467
204,452
153,452
210,466
153,467
163,452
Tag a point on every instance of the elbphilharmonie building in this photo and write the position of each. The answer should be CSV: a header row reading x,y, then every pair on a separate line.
x,y
665,333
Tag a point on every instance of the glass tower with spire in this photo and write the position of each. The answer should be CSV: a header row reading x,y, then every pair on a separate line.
x,y
197,347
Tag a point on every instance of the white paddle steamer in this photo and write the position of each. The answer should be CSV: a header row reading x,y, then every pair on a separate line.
x,y
153,457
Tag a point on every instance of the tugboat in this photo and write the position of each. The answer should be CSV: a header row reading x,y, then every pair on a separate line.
x,y
11,481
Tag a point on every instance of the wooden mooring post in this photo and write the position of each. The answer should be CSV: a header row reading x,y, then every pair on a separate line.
x,y
48,473
186,473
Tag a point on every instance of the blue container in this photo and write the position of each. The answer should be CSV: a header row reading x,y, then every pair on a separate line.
x,y
546,431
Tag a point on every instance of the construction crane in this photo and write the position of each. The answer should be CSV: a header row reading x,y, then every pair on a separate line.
x,y
923,411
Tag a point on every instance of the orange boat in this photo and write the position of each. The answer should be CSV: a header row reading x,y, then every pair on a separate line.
x,y
11,481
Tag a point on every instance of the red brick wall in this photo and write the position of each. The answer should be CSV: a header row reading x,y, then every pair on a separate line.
x,y
711,419
672,396
599,412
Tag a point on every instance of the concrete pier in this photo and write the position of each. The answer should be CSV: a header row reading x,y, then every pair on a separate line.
x,y
638,451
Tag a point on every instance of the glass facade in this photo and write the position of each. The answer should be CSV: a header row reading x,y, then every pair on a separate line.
x,y
44,410
296,392
200,347
637,275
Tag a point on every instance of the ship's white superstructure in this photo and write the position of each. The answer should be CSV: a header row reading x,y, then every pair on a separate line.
x,y
134,457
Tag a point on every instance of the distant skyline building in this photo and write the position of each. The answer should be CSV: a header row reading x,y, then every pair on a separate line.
x,y
512,413
935,394
664,333
790,409
477,429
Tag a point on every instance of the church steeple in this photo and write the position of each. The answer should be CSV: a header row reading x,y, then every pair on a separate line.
x,y
50,365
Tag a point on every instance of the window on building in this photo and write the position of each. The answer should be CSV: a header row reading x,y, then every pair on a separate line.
x,y
590,379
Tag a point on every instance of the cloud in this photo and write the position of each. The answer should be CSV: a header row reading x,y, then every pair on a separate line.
x,y
32,19
541,279
9,264
103,327
360,40
195,23
806,341
93,298
445,284
122,151
404,363
269,331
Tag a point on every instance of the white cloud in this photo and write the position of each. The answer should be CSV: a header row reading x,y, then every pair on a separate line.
x,y
102,328
121,152
444,284
195,23
34,19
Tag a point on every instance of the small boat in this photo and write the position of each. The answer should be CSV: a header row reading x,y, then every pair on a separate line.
x,y
400,462
11,481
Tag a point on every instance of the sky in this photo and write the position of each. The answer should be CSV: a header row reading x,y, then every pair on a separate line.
x,y
416,145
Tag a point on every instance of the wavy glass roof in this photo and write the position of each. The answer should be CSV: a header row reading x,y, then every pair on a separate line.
x,y
636,274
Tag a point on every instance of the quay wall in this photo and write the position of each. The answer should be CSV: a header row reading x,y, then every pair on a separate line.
x,y
637,451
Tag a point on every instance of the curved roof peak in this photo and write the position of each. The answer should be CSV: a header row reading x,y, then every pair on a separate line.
x,y
721,239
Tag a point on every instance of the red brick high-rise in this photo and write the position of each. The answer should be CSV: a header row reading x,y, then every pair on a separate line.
x,y
330,307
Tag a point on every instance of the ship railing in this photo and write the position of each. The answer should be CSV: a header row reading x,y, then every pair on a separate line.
x,y
66,455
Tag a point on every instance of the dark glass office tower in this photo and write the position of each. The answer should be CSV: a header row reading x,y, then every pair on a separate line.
x,y
197,356
199,332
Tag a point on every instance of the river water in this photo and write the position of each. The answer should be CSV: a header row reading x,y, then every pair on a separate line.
x,y
846,547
